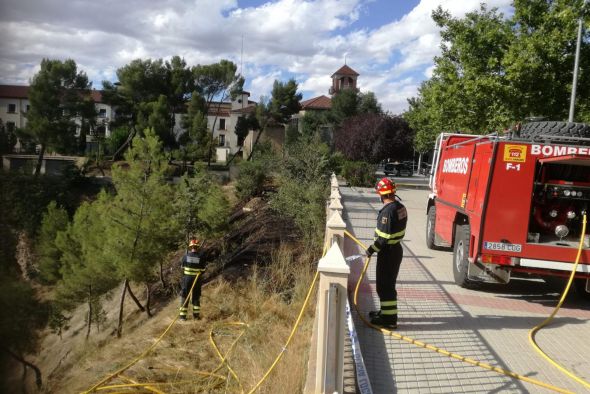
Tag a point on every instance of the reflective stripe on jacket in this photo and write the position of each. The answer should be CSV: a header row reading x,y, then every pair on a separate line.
x,y
391,225
192,264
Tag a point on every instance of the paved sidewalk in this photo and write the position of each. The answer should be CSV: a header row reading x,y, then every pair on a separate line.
x,y
490,325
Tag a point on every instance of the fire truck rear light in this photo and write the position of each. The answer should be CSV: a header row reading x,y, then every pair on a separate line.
x,y
501,260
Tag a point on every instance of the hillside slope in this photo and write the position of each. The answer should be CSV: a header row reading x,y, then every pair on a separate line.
x,y
263,287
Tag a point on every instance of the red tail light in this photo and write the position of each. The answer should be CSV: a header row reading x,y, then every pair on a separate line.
x,y
495,259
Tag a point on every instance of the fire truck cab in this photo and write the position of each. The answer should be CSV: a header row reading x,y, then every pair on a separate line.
x,y
512,204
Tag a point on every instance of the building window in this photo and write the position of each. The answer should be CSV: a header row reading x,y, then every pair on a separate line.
x,y
10,126
221,124
11,108
221,139
28,107
102,113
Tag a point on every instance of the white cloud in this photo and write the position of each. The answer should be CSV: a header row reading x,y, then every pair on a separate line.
x,y
305,39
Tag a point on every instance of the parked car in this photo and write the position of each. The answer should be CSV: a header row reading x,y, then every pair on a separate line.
x,y
397,169
405,170
425,169
391,169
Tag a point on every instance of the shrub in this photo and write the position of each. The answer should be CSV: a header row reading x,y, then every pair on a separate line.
x,y
251,179
336,162
116,139
359,173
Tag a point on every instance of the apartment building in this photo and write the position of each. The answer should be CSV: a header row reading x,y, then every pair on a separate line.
x,y
222,116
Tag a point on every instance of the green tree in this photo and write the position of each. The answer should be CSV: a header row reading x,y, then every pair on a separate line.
x,y
156,115
495,71
200,205
138,96
87,271
540,61
141,225
302,189
217,81
277,111
195,140
368,104
54,220
7,138
285,101
344,105
313,122
19,323
244,125
57,95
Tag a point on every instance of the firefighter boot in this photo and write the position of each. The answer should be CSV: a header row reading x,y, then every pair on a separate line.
x,y
196,312
182,313
384,321
374,314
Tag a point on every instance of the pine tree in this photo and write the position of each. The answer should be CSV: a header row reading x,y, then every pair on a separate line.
x,y
141,228
200,205
54,220
87,271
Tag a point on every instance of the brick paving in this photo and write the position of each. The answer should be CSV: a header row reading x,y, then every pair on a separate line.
x,y
490,325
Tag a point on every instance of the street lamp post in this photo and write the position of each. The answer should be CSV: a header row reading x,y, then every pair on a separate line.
x,y
576,64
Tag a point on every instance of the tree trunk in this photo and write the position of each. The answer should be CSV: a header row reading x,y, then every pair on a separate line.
x,y
89,323
132,133
40,160
26,364
134,298
223,97
234,156
254,145
162,275
149,298
121,303
89,316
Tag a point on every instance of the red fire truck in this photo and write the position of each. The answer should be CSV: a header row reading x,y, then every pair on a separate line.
x,y
512,204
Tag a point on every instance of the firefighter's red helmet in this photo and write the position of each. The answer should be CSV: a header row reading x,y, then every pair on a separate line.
x,y
193,243
385,186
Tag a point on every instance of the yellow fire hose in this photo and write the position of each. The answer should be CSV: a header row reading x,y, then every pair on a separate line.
x,y
151,386
437,349
550,318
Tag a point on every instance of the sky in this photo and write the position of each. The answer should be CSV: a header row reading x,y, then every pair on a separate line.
x,y
390,43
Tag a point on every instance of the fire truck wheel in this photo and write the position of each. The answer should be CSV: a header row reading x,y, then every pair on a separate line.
x,y
460,256
532,130
580,285
430,228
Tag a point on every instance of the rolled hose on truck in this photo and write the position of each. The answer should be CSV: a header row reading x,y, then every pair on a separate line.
x,y
473,361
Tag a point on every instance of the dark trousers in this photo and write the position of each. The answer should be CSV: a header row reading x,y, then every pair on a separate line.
x,y
388,263
186,284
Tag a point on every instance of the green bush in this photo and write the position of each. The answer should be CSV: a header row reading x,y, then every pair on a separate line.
x,y
116,139
251,179
359,173
336,163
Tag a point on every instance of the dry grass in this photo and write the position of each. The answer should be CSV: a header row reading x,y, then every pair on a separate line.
x,y
268,301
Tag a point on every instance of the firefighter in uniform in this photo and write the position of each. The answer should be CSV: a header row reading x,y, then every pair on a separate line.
x,y
193,266
390,230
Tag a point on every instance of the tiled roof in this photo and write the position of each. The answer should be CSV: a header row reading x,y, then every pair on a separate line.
x,y
245,110
96,96
345,70
22,92
320,102
14,91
